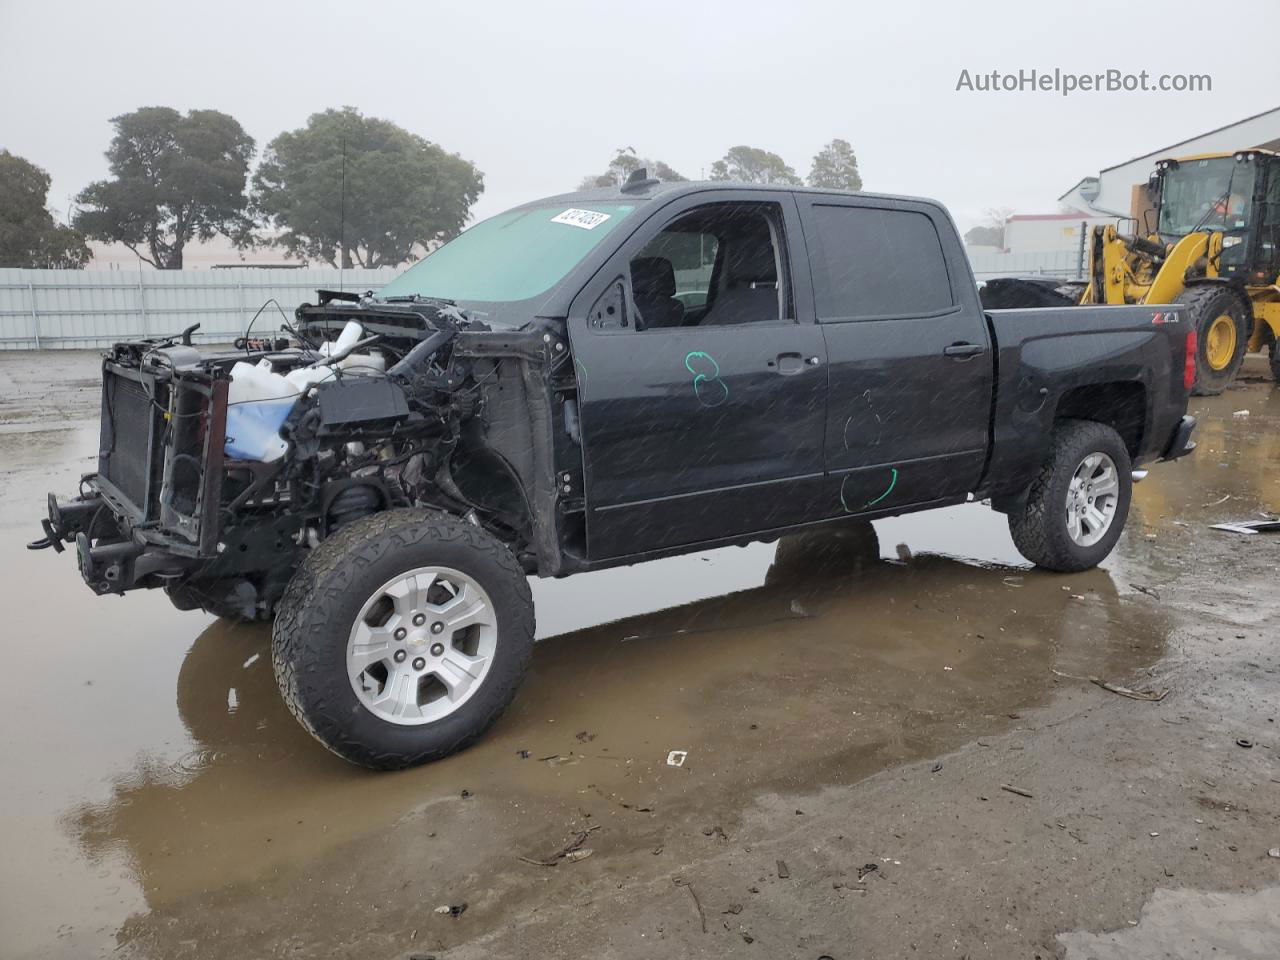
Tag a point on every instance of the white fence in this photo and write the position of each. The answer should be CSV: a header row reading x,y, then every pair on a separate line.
x,y
1055,263
72,309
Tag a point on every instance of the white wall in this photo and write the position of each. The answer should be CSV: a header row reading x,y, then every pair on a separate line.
x,y
1116,183
94,308
1042,236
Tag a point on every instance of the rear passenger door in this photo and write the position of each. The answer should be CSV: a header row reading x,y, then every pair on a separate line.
x,y
909,359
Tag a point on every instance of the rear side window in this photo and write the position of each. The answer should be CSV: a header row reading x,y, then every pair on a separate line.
x,y
871,262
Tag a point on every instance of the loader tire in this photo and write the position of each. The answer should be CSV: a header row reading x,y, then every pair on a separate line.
x,y
1221,320
1077,505
1275,360
402,637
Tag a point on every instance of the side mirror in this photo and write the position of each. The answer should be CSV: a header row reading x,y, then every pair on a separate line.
x,y
1153,187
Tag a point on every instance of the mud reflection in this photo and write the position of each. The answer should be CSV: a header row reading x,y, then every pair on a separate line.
x,y
840,664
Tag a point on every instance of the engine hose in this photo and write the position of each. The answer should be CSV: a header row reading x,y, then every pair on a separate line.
x,y
408,366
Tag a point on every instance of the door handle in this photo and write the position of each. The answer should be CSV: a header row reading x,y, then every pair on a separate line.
x,y
963,350
789,364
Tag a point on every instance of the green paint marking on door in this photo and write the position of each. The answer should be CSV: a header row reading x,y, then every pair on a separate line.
x,y
707,396
892,483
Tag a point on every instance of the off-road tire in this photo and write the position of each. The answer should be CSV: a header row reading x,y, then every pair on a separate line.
x,y
1039,528
1275,360
319,607
1204,304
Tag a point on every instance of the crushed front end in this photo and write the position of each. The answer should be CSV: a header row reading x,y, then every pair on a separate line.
x,y
149,513
218,472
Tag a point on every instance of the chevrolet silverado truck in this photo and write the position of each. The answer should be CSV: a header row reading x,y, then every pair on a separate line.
x,y
594,380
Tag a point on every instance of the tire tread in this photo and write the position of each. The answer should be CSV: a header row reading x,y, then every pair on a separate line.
x,y
1038,529
319,583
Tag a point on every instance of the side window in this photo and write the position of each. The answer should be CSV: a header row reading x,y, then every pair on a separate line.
x,y
715,265
869,262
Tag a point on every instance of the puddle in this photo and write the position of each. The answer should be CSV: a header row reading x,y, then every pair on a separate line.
x,y
162,784
1189,925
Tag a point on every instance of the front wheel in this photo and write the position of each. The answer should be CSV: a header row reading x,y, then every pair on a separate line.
x,y
1077,505
402,638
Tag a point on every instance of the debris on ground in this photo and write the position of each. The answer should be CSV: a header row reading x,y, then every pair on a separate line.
x,y
736,908
688,885
454,910
1247,744
523,754
1274,852
584,736
1248,527
783,872
571,852
1240,414
1018,790
866,869
716,831
937,767
676,758
1152,696
1147,590
1218,501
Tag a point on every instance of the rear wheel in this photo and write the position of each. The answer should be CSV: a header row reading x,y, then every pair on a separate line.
x,y
1275,360
1077,505
1221,321
403,637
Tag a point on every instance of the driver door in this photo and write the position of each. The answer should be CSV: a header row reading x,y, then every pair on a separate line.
x,y
703,392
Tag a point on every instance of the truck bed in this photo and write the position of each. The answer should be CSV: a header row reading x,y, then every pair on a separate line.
x,y
1119,364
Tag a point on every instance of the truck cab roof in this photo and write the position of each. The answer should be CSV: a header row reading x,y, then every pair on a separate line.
x,y
670,190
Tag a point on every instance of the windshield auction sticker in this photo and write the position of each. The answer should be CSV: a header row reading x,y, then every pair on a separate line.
x,y
586,219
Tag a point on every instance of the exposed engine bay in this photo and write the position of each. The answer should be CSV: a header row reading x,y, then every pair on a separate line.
x,y
217,473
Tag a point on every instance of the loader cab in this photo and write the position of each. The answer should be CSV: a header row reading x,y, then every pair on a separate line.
x,y
1235,194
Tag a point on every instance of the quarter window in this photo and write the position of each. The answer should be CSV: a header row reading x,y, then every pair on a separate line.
x,y
872,262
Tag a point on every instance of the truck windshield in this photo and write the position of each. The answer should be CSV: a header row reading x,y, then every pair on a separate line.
x,y
1211,193
510,258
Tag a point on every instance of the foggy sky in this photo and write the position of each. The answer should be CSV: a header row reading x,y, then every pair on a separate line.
x,y
539,94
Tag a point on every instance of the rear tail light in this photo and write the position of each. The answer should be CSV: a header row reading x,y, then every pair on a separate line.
x,y
1189,362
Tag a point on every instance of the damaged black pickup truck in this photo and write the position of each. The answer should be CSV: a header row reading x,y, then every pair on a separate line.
x,y
593,380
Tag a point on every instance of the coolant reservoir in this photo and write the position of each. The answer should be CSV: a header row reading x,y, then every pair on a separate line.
x,y
260,400
258,403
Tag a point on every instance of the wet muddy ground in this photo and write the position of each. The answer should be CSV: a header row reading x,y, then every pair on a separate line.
x,y
844,706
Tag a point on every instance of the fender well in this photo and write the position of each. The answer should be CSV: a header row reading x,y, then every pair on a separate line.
x,y
1121,406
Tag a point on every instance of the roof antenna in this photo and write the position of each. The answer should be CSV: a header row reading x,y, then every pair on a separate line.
x,y
639,181
342,216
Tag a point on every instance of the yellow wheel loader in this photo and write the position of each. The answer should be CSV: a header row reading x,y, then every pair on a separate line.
x,y
1210,241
